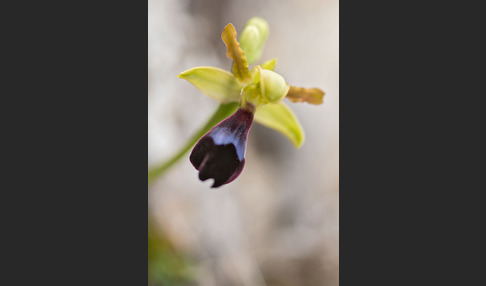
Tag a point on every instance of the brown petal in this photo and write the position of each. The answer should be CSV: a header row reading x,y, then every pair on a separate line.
x,y
234,52
309,95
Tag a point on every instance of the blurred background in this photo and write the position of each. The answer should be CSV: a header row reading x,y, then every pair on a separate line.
x,y
278,223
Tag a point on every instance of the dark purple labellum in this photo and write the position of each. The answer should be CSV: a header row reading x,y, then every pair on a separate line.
x,y
220,154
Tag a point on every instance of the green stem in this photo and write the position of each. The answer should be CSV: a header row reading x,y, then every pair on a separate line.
x,y
223,111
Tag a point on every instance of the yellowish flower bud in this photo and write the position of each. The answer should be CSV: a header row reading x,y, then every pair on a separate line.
x,y
252,39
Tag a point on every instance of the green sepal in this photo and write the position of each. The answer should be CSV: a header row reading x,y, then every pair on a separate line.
x,y
281,118
214,82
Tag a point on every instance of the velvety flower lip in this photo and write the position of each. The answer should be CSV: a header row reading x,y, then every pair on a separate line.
x,y
220,154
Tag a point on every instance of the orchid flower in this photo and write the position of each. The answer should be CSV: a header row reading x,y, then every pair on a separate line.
x,y
220,153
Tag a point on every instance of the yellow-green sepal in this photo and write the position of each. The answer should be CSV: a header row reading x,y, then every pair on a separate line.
x,y
281,118
214,82
253,37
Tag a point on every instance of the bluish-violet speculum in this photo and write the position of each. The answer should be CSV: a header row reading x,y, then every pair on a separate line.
x,y
234,130
220,154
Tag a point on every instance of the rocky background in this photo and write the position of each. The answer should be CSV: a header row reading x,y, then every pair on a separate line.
x,y
277,224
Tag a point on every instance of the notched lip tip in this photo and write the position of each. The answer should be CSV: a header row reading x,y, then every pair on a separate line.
x,y
213,183
210,178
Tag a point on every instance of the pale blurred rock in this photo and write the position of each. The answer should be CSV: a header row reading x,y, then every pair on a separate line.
x,y
277,224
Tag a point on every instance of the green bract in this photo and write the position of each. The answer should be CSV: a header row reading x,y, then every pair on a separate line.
x,y
261,90
269,65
